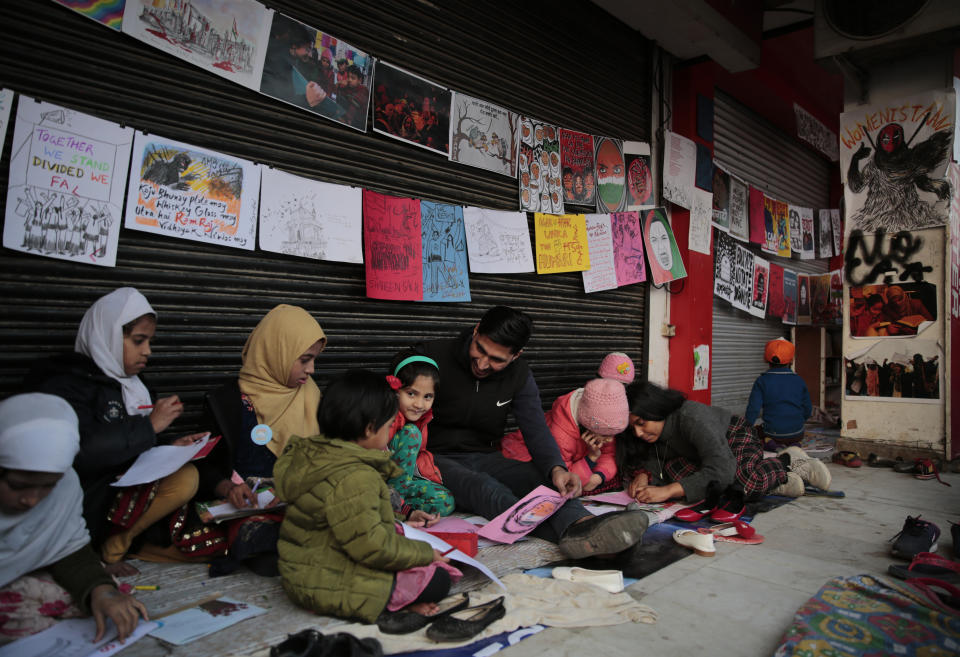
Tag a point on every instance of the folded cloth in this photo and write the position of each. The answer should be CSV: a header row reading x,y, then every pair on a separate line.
x,y
529,601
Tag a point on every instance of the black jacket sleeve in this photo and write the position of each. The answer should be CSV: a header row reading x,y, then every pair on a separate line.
x,y
109,437
79,573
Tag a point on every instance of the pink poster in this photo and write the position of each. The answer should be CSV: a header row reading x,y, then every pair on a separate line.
x,y
524,516
775,300
392,247
758,233
628,248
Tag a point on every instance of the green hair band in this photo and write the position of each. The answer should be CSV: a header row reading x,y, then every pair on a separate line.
x,y
414,359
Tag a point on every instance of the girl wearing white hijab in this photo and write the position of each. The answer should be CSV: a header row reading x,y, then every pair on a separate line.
x,y
41,523
118,420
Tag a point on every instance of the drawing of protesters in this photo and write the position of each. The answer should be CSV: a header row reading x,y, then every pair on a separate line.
x,y
75,220
104,221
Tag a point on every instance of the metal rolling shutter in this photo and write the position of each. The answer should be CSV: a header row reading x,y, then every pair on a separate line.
x,y
749,147
521,55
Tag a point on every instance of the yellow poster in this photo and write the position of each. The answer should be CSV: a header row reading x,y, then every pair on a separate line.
x,y
561,243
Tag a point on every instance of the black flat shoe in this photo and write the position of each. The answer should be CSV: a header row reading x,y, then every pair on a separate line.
x,y
405,622
301,644
467,623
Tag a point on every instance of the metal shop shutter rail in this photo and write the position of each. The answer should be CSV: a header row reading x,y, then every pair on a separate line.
x,y
209,297
748,146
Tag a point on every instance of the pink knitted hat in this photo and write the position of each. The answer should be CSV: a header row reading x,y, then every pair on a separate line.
x,y
603,407
617,366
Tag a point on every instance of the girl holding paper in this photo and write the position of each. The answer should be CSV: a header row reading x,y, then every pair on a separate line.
x,y
41,526
273,398
119,420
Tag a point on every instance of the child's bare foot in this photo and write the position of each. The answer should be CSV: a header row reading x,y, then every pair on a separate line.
x,y
121,569
423,608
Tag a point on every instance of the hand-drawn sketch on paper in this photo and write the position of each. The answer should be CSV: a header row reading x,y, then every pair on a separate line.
x,y
701,226
721,199
738,210
775,299
105,12
309,218
724,254
769,244
742,279
392,246
782,227
636,159
893,160
611,181
317,72
701,367
761,287
789,296
807,232
498,242
483,135
679,169
411,108
228,38
561,243
892,371
803,299
821,310
184,191
68,172
6,104
628,248
824,234
815,133
602,275
538,167
663,255
444,252
576,158
837,231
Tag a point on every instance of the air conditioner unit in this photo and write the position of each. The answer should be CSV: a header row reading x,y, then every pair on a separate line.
x,y
845,26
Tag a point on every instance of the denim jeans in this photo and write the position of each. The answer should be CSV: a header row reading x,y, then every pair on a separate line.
x,y
488,484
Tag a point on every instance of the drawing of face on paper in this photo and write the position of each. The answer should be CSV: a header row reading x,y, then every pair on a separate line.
x,y
529,515
663,256
660,242
610,175
526,131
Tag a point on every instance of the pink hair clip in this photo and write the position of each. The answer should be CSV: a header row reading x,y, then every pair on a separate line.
x,y
394,382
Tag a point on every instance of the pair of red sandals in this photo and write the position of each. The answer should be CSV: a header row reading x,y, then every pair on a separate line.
x,y
728,508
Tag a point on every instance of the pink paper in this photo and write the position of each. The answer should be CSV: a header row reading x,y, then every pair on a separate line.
x,y
620,497
450,525
628,248
523,517
392,247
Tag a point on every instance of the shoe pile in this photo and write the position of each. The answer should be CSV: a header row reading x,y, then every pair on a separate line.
x,y
404,622
921,468
916,536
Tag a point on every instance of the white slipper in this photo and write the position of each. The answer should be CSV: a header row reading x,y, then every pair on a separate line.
x,y
608,580
702,544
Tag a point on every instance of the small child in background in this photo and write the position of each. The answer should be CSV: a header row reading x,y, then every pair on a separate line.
x,y
341,550
781,395
415,377
584,423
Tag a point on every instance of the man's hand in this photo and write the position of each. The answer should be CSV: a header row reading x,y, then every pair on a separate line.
x,y
315,94
567,483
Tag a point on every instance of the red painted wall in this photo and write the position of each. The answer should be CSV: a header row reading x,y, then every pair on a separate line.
x,y
787,75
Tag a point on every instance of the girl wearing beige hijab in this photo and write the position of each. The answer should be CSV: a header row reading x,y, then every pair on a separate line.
x,y
273,399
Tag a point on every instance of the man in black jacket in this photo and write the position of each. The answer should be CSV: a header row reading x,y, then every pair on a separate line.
x,y
483,378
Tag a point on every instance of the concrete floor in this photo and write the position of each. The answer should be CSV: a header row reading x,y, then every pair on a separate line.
x,y
740,601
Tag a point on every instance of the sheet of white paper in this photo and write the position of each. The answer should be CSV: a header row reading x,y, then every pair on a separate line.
x,y
439,544
602,274
263,499
158,462
498,242
226,38
701,225
179,190
68,173
74,638
213,616
679,169
309,218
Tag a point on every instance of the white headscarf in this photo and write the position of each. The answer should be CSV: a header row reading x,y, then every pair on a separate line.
x,y
101,338
39,432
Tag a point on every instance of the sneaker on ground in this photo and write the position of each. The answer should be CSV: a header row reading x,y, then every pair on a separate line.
x,y
812,471
606,534
916,536
793,488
